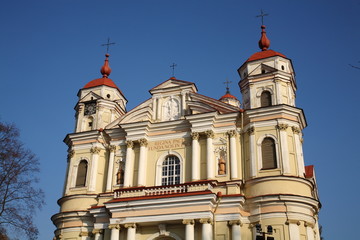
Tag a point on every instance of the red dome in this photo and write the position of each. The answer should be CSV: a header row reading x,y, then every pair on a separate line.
x,y
100,82
228,95
264,54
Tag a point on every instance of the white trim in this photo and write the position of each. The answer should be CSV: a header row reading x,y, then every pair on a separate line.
x,y
259,142
159,162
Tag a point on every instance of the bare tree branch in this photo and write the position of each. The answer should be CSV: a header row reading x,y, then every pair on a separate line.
x,y
19,197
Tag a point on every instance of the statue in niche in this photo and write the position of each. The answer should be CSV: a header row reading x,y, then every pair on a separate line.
x,y
171,109
222,163
120,174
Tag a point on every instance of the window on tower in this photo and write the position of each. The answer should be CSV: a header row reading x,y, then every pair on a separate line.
x,y
81,174
268,152
170,171
265,99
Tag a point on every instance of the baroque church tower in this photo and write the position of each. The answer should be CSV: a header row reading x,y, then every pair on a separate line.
x,y
185,166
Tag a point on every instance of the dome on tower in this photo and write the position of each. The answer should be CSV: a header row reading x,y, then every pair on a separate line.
x,y
230,99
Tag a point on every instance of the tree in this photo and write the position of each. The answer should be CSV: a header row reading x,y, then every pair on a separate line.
x,y
19,197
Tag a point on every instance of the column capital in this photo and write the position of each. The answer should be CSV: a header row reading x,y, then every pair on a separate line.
x,y
251,131
71,154
129,144
309,224
112,148
195,135
282,126
143,142
114,226
291,221
85,234
95,231
295,130
188,221
209,134
231,133
206,221
235,222
95,150
130,225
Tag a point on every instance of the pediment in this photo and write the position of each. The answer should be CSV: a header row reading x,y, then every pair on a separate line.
x,y
262,69
172,84
91,96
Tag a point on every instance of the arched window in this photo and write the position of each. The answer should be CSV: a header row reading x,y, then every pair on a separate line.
x,y
268,153
170,170
265,99
81,174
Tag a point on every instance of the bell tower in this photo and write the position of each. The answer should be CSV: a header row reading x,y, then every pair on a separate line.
x,y
100,102
267,78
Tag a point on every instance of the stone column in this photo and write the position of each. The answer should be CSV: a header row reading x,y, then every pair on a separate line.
x,y
142,162
210,163
309,231
207,231
131,231
233,159
158,115
189,229
277,93
98,234
195,171
294,231
235,229
284,147
94,167
299,152
129,164
110,174
115,231
69,171
251,133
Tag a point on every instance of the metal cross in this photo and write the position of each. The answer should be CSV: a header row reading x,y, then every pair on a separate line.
x,y
173,69
262,15
227,84
107,45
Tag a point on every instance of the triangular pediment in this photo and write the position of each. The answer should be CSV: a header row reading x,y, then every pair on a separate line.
x,y
91,96
172,84
262,69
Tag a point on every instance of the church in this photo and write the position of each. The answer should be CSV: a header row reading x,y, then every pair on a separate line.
x,y
184,166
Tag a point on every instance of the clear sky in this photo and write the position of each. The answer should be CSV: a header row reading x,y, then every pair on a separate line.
x,y
50,49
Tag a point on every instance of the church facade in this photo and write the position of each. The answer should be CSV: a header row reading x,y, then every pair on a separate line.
x,y
185,166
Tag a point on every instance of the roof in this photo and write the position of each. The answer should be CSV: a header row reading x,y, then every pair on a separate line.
x,y
228,95
309,171
100,82
264,54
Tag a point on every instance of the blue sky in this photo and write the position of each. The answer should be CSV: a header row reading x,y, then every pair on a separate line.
x,y
51,49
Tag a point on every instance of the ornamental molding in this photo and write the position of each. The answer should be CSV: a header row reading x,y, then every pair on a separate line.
x,y
95,150
195,135
231,133
291,221
71,154
309,224
114,226
209,134
143,142
282,126
129,144
85,234
188,221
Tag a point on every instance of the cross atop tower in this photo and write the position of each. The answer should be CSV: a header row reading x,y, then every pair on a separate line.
x,y
173,68
107,45
262,15
227,82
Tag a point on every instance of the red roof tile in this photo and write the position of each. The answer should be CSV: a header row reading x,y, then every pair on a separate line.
x,y
264,54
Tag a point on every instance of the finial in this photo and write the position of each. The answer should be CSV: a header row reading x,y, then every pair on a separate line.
x,y
173,69
227,85
105,69
264,42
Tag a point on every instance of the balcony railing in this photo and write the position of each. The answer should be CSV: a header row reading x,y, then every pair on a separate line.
x,y
163,190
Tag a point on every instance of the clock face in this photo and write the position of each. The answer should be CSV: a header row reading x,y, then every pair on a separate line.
x,y
90,108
